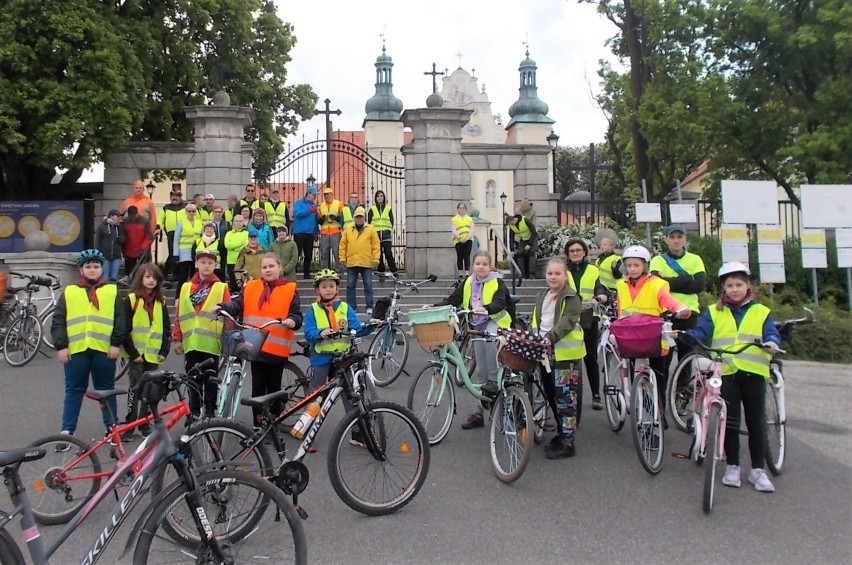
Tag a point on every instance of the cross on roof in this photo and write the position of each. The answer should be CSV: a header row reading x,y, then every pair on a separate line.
x,y
459,55
435,74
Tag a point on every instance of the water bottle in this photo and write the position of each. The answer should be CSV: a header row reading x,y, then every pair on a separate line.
x,y
311,411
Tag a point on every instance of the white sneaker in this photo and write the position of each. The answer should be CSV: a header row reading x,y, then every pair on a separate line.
x,y
369,311
761,482
732,476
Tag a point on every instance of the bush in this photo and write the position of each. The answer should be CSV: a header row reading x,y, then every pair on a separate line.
x,y
552,238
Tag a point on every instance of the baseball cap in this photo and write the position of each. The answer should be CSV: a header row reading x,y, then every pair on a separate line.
x,y
274,189
675,228
359,211
204,253
328,190
313,190
252,233
114,212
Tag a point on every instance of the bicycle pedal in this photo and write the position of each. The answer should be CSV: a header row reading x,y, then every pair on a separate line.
x,y
681,455
301,512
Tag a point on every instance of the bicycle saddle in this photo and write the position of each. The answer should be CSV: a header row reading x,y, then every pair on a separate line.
x,y
104,394
261,401
13,456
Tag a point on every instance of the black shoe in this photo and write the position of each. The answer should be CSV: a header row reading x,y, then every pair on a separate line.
x,y
561,448
145,430
357,439
473,421
489,389
596,402
127,436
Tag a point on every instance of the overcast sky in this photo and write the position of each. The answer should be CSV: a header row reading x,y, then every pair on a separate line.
x,y
338,42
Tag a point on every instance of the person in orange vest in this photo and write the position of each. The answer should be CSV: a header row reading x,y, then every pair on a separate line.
x,y
330,219
271,297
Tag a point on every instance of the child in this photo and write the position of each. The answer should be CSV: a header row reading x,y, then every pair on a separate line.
x,y
197,330
643,293
88,327
209,241
556,314
286,249
485,293
235,240
249,258
149,340
734,321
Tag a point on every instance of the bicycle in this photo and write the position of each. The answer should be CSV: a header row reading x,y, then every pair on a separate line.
x,y
433,399
387,363
238,346
216,523
391,440
46,314
616,383
23,334
67,479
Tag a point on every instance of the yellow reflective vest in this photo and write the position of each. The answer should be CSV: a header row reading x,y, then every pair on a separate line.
x,y
201,331
522,230
569,348
213,247
726,335
147,334
489,289
381,220
462,224
189,233
605,268
89,327
341,315
646,302
348,218
691,263
276,214
587,282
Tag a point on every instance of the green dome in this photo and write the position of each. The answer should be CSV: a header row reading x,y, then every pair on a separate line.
x,y
384,106
528,108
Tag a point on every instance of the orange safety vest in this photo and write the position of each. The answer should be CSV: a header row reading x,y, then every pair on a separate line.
x,y
279,339
335,207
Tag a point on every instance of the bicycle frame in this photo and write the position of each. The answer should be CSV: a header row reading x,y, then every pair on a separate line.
x,y
705,396
235,372
450,355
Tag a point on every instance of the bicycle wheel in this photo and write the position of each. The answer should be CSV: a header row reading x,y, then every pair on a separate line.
x,y
10,553
647,431
388,354
244,513
681,388
613,395
538,402
579,392
46,318
713,453
381,480
22,340
228,401
466,349
433,401
122,366
510,438
61,482
776,433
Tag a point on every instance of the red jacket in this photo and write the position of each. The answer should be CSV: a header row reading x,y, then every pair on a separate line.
x,y
137,237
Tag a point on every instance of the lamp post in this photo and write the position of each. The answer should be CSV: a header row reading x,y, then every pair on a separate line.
x,y
553,141
507,253
150,187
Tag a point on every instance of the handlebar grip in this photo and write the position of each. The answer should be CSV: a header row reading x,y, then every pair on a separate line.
x,y
432,278
148,377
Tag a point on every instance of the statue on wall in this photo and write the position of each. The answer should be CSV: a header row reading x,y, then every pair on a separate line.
x,y
490,194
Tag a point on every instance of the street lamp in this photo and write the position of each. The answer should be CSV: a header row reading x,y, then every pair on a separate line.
x,y
150,186
156,244
506,250
553,141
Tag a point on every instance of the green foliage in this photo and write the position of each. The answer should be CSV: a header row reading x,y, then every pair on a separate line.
x,y
552,238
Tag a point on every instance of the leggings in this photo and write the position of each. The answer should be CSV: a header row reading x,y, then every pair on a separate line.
x,y
207,385
266,379
486,362
749,390
463,249
560,386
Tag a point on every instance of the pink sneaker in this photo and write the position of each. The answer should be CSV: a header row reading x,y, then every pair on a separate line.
x,y
761,482
732,476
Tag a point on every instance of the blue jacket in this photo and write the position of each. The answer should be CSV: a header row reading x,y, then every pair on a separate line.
x,y
704,330
265,237
304,221
312,333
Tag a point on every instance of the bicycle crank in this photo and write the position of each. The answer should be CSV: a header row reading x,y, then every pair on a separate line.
x,y
292,478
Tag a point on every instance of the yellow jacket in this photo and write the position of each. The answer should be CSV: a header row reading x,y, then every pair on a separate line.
x,y
360,248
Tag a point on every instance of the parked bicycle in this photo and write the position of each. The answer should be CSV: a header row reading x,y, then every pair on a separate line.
x,y
389,348
221,516
22,329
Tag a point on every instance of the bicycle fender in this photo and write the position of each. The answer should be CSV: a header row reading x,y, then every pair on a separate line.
x,y
9,542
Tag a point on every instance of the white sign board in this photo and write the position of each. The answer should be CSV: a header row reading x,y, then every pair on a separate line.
x,y
813,239
682,213
826,205
844,257
843,237
770,253
772,273
649,212
749,202
735,252
814,258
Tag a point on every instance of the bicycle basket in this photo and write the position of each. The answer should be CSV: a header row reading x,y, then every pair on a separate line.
x,y
431,326
522,350
380,308
638,336
244,343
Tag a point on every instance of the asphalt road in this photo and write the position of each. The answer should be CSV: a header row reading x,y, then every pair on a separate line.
x,y
598,507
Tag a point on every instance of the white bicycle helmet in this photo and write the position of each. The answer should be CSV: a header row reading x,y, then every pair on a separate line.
x,y
637,252
733,267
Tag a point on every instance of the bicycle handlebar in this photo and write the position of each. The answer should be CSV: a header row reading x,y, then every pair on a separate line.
x,y
728,350
169,378
225,314
34,279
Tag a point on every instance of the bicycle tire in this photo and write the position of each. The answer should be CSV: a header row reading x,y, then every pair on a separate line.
x,y
23,336
680,391
538,402
46,318
578,410
387,423
712,455
10,553
388,364
776,427
467,352
429,396
512,432
269,502
297,384
45,484
122,366
228,401
613,396
645,427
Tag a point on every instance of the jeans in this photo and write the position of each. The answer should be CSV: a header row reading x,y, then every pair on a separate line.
x,y
486,369
77,371
352,281
329,244
111,268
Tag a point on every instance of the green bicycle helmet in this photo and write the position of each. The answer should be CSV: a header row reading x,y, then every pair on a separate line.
x,y
326,275
90,255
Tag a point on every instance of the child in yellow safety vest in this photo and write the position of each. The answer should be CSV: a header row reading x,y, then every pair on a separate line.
x,y
197,330
737,319
149,340
89,325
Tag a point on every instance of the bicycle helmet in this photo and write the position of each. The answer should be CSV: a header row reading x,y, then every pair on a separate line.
x,y
637,252
326,275
733,267
90,255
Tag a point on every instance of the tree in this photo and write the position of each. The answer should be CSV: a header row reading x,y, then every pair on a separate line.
x,y
80,78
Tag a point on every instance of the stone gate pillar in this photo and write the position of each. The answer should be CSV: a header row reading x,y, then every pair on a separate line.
x,y
436,180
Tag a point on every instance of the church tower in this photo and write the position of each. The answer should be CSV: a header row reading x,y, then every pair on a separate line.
x,y
530,123
383,129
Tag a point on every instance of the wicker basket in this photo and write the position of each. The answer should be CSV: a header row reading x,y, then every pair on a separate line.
x,y
431,326
515,362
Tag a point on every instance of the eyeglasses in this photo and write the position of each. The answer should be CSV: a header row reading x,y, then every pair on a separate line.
x,y
581,250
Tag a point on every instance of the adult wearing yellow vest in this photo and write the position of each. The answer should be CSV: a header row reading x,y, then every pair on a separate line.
x,y
685,273
486,294
89,325
277,214
380,217
188,230
462,240
271,297
234,241
556,315
584,279
149,340
349,210
168,221
205,212
197,331
737,319
249,199
523,242
643,293
330,220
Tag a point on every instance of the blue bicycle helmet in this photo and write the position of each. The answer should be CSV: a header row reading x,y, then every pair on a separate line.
x,y
90,255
